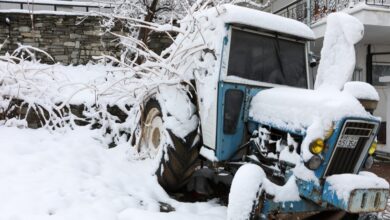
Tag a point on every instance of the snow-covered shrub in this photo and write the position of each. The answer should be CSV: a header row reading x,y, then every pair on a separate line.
x,y
24,92
112,100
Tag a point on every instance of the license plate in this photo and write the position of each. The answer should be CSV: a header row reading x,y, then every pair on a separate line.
x,y
348,141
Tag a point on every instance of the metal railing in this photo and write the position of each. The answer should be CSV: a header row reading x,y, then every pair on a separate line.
x,y
378,2
298,10
68,6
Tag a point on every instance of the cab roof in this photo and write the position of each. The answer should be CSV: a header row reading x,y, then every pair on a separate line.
x,y
232,14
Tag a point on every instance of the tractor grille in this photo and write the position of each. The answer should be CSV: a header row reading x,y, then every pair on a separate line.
x,y
351,147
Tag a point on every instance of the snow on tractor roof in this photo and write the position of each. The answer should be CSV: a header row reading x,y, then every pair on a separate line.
x,y
232,14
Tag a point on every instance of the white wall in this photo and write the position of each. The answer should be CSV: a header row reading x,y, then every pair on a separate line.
x,y
383,109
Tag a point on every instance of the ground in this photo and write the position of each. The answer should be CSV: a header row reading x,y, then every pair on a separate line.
x,y
382,169
71,175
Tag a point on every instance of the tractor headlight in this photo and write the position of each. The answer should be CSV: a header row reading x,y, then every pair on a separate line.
x,y
372,149
314,162
317,146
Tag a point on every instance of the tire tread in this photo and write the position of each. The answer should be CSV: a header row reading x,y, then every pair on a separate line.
x,y
181,164
174,173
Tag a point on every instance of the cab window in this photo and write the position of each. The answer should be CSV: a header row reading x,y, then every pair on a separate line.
x,y
267,59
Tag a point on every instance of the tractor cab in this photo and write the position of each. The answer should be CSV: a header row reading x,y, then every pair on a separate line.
x,y
256,60
252,51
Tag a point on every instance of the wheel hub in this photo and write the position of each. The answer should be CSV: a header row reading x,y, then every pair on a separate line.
x,y
156,137
152,134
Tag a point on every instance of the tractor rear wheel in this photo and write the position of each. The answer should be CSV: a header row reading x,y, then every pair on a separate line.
x,y
177,158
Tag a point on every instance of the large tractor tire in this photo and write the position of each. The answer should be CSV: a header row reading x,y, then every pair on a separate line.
x,y
246,193
178,159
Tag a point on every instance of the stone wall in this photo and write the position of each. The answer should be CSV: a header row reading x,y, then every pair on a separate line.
x,y
64,37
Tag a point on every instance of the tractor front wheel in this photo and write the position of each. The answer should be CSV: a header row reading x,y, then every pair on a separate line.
x,y
246,193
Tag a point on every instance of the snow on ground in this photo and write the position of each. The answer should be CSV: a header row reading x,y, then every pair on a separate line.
x,y
72,175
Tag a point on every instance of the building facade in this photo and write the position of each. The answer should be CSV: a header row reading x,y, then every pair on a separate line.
x,y
372,52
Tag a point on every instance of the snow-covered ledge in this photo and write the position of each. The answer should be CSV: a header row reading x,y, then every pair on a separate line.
x,y
367,14
386,79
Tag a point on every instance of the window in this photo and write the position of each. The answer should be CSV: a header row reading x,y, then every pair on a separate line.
x,y
379,70
233,103
267,59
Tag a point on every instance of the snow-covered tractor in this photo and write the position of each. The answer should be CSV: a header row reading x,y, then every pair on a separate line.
x,y
251,114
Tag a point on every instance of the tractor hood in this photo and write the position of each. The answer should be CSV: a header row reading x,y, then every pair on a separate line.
x,y
296,109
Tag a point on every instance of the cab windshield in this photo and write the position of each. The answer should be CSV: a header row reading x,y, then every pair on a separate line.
x,y
267,59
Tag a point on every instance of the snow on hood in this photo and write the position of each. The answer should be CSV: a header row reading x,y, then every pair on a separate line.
x,y
296,109
311,112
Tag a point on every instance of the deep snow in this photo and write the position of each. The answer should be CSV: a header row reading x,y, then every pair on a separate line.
x,y
71,175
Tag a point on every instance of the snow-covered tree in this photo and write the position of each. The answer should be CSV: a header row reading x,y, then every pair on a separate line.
x,y
136,17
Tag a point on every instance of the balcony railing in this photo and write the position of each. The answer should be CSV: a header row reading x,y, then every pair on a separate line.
x,y
378,2
68,6
298,10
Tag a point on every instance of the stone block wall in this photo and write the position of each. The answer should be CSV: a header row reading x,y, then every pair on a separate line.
x,y
64,37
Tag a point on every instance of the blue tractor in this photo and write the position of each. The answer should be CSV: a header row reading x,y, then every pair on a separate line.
x,y
254,116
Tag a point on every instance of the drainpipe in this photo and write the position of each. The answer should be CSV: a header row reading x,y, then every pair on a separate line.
x,y
308,11
308,22
369,65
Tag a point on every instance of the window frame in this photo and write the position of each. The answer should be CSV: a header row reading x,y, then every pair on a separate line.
x,y
236,79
